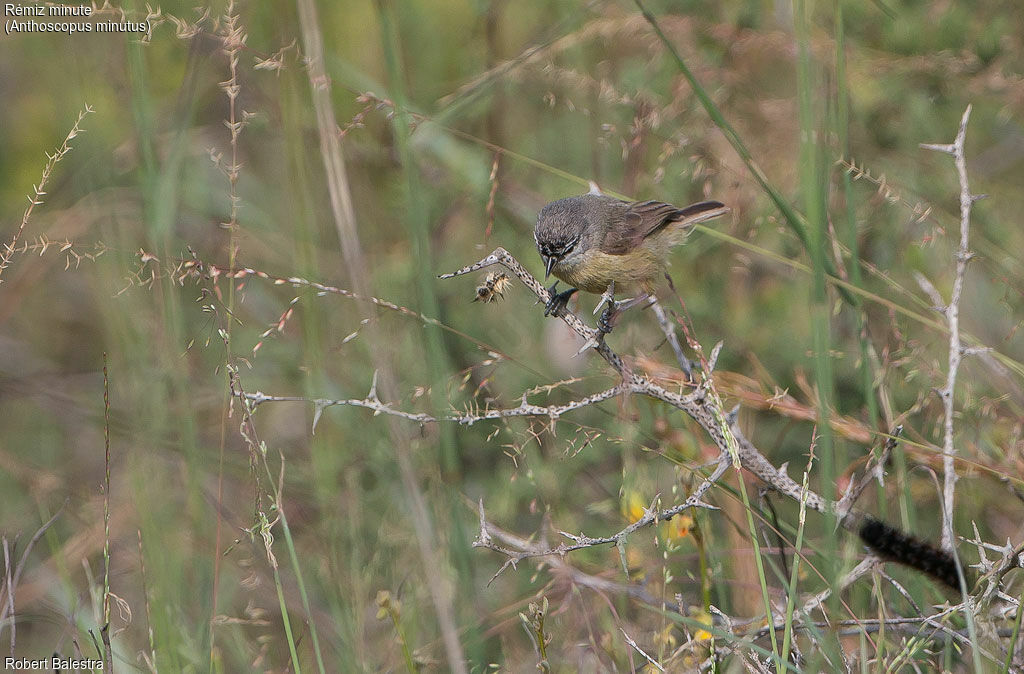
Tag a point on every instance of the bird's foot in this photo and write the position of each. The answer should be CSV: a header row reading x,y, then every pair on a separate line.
x,y
613,309
558,301
607,320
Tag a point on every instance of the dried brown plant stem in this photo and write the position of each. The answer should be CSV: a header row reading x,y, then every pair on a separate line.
x,y
348,235
38,190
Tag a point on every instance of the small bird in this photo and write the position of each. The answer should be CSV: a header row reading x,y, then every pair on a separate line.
x,y
601,244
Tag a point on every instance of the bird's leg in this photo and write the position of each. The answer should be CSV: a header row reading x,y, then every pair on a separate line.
x,y
558,301
614,309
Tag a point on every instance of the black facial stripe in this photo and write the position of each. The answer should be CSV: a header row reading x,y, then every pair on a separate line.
x,y
558,249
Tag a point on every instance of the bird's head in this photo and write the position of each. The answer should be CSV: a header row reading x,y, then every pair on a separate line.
x,y
559,230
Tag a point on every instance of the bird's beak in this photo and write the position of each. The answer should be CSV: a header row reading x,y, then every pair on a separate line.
x,y
549,262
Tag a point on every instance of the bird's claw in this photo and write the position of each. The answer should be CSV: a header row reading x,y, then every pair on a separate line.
x,y
558,301
607,320
613,309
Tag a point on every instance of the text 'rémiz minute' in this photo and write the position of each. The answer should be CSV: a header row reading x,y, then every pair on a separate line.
x,y
11,9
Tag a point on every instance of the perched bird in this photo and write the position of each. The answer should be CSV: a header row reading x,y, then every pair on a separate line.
x,y
601,244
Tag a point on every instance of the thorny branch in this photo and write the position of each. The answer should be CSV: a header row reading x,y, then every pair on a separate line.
x,y
671,337
560,566
651,516
701,405
466,418
704,406
952,313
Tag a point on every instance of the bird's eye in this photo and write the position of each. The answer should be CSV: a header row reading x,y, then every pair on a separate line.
x,y
559,250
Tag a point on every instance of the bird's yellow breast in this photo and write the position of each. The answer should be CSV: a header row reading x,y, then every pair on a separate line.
x,y
594,270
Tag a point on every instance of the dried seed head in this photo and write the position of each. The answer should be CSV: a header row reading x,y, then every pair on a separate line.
x,y
493,287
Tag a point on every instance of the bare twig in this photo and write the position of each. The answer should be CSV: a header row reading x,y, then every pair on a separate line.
x,y
629,640
1010,557
875,471
580,541
467,418
489,532
670,335
866,624
952,312
699,404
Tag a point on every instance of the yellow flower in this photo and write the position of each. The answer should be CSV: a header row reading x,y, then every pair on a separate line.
x,y
633,506
680,526
705,619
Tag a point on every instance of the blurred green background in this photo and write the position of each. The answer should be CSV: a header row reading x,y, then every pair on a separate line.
x,y
428,98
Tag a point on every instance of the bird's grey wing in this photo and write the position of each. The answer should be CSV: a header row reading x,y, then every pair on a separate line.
x,y
641,219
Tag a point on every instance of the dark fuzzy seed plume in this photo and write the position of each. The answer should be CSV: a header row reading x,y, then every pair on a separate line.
x,y
896,546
